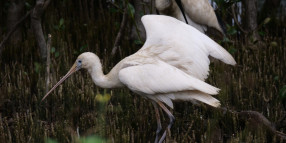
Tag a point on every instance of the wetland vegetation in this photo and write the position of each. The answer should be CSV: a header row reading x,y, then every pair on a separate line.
x,y
78,111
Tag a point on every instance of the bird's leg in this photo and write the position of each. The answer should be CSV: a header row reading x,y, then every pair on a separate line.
x,y
172,119
159,126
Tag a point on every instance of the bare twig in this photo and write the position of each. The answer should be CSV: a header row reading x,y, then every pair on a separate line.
x,y
12,30
236,21
17,24
120,32
48,62
116,6
281,135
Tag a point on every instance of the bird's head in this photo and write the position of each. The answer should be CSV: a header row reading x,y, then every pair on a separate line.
x,y
84,60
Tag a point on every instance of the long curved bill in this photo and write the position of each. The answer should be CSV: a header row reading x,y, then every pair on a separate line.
x,y
73,69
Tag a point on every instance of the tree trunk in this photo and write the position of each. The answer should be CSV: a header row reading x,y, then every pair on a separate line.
x,y
37,26
251,18
15,12
141,7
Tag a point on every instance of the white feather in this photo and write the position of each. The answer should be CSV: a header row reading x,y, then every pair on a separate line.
x,y
189,47
199,13
193,96
197,96
173,63
155,77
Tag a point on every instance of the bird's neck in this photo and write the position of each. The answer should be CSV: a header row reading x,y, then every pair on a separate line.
x,y
102,80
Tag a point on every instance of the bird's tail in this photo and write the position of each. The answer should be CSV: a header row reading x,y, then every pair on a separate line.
x,y
195,96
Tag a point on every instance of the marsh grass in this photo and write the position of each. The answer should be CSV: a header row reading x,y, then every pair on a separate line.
x,y
73,109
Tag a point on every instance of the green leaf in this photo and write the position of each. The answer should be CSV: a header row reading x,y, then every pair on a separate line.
x,y
273,44
81,49
261,33
282,92
266,20
226,40
138,42
131,9
103,98
117,25
56,27
113,10
28,6
62,21
92,139
276,78
49,140
232,31
37,67
57,54
232,50
53,49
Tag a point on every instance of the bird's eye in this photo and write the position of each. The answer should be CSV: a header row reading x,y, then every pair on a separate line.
x,y
79,61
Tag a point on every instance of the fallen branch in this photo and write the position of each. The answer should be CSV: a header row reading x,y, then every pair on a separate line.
x,y
257,120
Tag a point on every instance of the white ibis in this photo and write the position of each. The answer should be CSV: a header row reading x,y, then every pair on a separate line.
x,y
172,65
199,13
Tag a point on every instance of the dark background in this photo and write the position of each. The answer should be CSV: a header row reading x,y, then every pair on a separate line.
x,y
253,92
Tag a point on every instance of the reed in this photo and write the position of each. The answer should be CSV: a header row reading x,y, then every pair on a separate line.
x,y
75,108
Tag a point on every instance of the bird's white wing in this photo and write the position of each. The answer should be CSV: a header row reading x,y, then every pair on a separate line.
x,y
159,77
181,45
